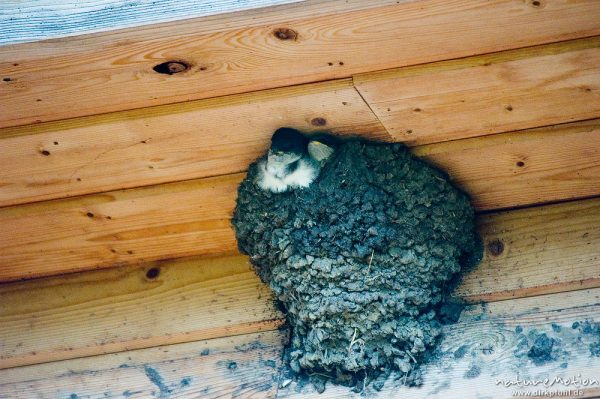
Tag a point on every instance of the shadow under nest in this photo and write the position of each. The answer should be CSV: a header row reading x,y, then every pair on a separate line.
x,y
362,261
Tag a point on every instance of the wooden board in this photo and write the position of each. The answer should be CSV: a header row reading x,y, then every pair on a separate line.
x,y
535,251
565,166
477,355
485,339
113,310
116,310
114,71
245,366
26,22
55,19
488,94
535,166
192,218
169,143
118,228
223,135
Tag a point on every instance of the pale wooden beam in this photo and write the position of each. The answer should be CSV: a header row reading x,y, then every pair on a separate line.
x,y
113,71
245,366
487,94
172,142
118,228
547,249
51,19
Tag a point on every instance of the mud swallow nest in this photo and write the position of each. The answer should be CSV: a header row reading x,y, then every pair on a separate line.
x,y
361,260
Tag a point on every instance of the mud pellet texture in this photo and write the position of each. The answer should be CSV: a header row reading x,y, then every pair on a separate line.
x,y
362,261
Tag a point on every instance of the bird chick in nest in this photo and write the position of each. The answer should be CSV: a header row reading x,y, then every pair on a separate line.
x,y
294,161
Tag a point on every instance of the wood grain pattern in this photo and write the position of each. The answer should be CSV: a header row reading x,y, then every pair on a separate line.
x,y
244,366
117,310
169,143
31,21
223,135
247,365
117,67
118,228
192,25
545,250
480,350
192,218
488,94
522,168
535,251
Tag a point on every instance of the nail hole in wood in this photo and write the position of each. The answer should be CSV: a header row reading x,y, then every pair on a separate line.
x,y
508,108
318,121
341,63
496,247
330,63
417,109
55,143
89,214
38,100
285,34
520,164
7,79
45,152
153,273
171,67
536,3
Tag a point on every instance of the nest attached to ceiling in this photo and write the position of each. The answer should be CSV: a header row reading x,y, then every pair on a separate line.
x,y
362,261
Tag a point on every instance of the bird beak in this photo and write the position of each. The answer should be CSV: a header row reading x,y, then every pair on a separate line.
x,y
273,164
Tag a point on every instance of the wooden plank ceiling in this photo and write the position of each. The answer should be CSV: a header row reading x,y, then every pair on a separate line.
x,y
106,164
108,72
40,20
528,252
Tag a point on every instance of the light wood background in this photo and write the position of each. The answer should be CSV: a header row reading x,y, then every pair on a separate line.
x,y
22,21
119,268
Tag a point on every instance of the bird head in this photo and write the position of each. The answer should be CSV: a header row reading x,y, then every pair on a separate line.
x,y
287,146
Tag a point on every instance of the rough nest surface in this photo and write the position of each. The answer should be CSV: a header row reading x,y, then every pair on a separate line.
x,y
361,261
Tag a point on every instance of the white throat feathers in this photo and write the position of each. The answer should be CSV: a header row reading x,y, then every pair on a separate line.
x,y
279,179
293,161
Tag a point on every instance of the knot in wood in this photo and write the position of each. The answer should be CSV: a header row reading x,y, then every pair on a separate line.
x,y
496,247
285,34
318,121
171,67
